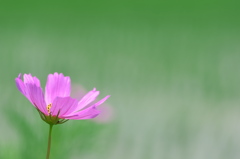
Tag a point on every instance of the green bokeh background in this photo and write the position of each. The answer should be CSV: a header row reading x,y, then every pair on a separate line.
x,y
172,68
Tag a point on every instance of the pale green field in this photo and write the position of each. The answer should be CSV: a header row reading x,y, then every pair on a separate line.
x,y
172,69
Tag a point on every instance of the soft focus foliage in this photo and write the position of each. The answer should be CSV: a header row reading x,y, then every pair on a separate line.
x,y
172,68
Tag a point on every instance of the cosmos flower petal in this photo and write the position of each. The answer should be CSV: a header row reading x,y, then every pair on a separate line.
x,y
94,105
57,86
20,84
29,85
62,105
29,79
35,95
87,113
88,98
101,101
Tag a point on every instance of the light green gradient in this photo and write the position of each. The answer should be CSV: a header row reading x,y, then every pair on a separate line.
x,y
172,69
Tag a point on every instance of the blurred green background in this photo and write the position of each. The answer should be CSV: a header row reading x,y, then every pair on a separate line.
x,y
172,68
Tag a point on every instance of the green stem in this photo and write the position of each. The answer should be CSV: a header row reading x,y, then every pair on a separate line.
x,y
49,141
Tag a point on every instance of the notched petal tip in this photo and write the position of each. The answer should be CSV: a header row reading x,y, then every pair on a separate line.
x,y
61,76
57,86
29,79
20,85
58,74
19,76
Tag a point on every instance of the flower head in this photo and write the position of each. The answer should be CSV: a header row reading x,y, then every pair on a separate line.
x,y
55,106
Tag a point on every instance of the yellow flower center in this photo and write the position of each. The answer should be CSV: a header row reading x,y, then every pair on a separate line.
x,y
49,107
52,120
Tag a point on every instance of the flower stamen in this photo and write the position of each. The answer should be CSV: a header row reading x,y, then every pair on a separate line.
x,y
49,107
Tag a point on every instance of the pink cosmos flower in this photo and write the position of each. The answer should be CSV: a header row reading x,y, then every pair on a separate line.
x,y
55,106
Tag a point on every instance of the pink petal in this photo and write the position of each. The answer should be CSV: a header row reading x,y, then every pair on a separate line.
x,y
31,89
74,113
36,97
88,113
20,84
62,104
101,101
57,86
28,78
88,98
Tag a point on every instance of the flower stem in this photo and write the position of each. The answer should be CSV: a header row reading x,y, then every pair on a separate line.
x,y
49,141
